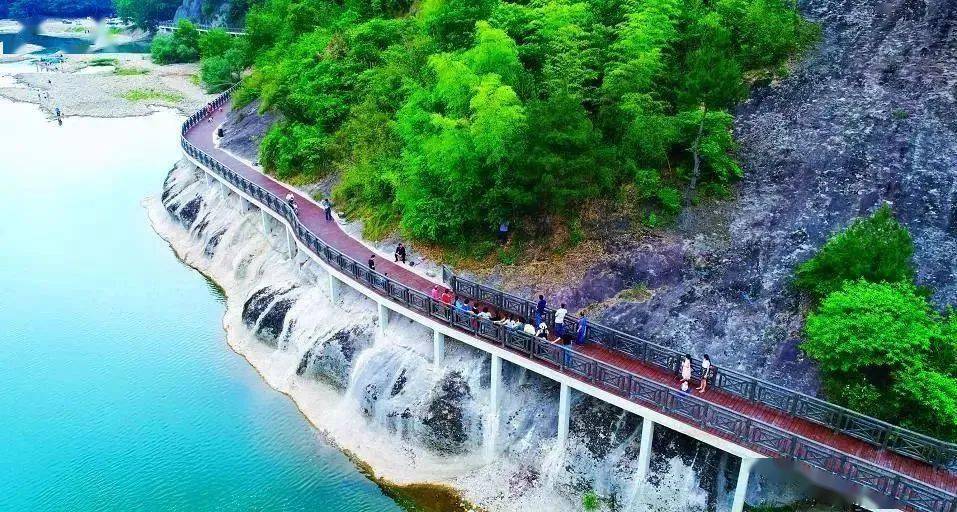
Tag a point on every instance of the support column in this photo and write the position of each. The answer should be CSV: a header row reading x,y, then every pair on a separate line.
x,y
741,489
265,218
209,179
495,398
243,204
564,413
290,243
335,288
383,317
644,452
438,349
494,401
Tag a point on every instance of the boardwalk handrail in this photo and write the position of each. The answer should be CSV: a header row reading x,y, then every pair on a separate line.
x,y
171,25
839,419
729,424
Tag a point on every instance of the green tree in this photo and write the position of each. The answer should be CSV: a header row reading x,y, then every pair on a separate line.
x,y
180,46
875,248
146,14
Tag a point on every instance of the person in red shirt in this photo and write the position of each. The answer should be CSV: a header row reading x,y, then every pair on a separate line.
x,y
447,298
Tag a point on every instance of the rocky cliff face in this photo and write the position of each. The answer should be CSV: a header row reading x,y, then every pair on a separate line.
x,y
212,12
869,117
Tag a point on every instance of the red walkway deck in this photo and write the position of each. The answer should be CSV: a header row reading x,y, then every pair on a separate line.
x,y
313,217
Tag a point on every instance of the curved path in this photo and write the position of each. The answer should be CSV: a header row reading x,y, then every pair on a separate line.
x,y
915,484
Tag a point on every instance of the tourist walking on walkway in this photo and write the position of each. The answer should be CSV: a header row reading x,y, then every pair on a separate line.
x,y
327,207
707,370
400,253
582,331
560,321
686,368
291,199
436,294
372,262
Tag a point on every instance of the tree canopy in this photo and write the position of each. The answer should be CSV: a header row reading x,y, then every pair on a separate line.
x,y
449,119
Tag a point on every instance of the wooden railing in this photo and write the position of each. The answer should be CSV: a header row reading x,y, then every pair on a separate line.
x,y
839,419
691,409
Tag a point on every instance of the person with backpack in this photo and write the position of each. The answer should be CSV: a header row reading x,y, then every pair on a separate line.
x,y
327,207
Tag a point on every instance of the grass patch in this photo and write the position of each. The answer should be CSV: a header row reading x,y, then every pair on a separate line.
x,y
104,61
151,95
130,71
194,79
637,293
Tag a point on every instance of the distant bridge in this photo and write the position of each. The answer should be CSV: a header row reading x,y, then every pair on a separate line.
x,y
887,466
170,26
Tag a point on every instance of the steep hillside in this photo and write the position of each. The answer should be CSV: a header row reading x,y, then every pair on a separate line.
x,y
869,118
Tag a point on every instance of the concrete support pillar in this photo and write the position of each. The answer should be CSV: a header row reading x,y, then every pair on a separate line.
x,y
224,190
335,288
265,218
291,243
242,203
383,317
495,398
494,401
741,489
564,414
644,452
438,349
209,179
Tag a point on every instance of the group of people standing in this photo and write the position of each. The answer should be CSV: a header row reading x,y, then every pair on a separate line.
x,y
707,372
537,327
325,204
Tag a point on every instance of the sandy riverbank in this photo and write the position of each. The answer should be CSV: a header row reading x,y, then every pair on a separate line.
x,y
130,85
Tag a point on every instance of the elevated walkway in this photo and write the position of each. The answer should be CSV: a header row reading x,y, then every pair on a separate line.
x,y
741,415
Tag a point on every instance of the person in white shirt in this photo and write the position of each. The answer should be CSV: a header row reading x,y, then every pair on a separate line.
x,y
485,315
560,321
529,329
706,372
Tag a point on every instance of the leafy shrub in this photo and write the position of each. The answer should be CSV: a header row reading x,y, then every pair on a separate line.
x,y
875,248
884,351
180,46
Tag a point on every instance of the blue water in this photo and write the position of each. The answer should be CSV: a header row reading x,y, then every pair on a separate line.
x,y
117,389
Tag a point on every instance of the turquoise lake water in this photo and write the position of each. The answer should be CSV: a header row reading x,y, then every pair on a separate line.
x,y
117,389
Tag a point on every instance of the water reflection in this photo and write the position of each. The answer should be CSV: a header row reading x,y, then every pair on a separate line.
x,y
31,34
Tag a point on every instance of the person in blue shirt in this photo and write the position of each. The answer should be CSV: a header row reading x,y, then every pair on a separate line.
x,y
582,330
540,310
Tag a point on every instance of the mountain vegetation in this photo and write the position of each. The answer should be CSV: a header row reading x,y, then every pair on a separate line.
x,y
223,56
446,118
881,347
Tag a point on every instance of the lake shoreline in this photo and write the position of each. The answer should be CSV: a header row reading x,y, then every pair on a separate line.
x,y
108,86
